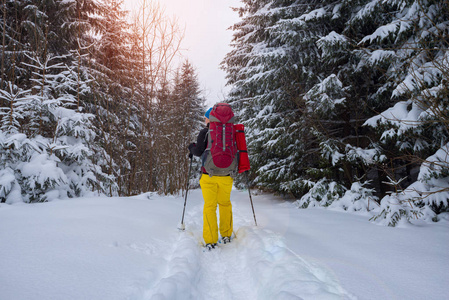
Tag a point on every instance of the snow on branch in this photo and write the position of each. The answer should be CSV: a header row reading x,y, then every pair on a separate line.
x,y
393,29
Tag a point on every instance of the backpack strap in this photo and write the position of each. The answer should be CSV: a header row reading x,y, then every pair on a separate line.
x,y
206,140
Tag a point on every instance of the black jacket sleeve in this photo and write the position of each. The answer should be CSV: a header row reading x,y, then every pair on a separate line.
x,y
201,143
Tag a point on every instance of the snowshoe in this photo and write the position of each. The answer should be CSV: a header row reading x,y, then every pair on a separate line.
x,y
210,246
226,239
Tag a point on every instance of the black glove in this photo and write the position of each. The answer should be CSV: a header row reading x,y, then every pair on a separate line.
x,y
191,146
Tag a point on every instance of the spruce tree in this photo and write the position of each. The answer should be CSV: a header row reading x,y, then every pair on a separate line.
x,y
260,70
48,143
411,44
180,120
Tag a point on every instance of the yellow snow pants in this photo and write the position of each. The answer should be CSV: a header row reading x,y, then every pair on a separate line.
x,y
216,190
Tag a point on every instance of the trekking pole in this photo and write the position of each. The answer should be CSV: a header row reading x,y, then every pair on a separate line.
x,y
182,226
250,198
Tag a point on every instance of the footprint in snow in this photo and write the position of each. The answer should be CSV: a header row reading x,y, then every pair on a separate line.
x,y
255,265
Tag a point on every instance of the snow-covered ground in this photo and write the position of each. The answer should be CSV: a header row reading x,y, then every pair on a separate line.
x,y
130,248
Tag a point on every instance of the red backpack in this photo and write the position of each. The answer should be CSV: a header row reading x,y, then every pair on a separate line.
x,y
221,157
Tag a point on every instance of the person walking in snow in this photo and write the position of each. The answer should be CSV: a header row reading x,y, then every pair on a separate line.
x,y
216,190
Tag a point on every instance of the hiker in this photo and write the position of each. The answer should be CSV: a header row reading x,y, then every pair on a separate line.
x,y
216,189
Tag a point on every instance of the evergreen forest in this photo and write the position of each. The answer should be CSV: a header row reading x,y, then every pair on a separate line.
x,y
92,102
345,102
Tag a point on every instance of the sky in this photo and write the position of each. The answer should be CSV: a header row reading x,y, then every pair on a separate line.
x,y
207,38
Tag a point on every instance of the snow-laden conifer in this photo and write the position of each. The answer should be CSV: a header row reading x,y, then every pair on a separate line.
x,y
307,76
14,145
50,155
415,127
266,77
321,194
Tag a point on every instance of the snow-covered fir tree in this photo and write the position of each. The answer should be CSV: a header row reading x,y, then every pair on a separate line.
x,y
49,154
48,143
307,76
14,145
116,93
413,132
262,70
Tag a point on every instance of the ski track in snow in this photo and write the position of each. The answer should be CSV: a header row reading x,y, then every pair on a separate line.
x,y
255,265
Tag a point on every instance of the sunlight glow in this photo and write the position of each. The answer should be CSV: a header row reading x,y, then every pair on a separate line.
x,y
206,40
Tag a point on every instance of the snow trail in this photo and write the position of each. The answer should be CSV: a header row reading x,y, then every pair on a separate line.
x,y
255,265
